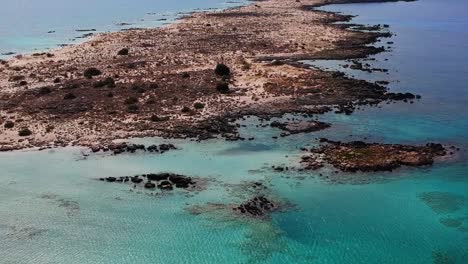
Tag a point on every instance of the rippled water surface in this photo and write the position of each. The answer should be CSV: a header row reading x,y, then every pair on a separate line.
x,y
52,210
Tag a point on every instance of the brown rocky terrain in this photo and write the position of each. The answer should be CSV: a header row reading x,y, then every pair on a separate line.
x,y
360,156
163,82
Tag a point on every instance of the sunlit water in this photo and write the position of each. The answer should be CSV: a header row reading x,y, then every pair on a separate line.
x,y
52,210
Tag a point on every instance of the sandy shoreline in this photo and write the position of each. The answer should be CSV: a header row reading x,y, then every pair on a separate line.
x,y
166,84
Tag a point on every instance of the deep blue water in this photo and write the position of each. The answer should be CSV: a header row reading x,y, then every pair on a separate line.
x,y
428,57
52,211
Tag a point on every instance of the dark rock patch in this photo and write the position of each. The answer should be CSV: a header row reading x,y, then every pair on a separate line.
x,y
300,127
119,148
123,52
361,156
257,207
163,181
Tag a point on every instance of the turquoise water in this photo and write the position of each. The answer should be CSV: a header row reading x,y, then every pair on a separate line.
x,y
25,24
52,210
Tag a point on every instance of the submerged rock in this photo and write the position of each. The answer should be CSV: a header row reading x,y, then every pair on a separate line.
x,y
164,181
257,207
301,126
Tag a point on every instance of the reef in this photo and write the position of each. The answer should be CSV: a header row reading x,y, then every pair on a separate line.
x,y
361,156
161,181
256,203
124,147
299,127
257,207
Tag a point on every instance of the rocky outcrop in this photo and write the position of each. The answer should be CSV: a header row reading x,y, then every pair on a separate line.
x,y
299,127
163,181
238,68
257,207
361,156
119,148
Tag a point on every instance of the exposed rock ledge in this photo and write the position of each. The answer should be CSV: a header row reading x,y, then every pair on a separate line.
x,y
162,181
300,127
188,79
360,156
257,207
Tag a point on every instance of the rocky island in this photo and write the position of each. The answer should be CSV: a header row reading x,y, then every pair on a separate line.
x,y
361,156
188,79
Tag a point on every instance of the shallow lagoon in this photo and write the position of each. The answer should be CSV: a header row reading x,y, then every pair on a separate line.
x,y
52,209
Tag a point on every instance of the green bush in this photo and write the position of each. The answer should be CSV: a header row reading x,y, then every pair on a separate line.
x,y
199,105
123,52
155,118
9,124
69,96
131,100
222,70
44,90
222,87
24,132
133,108
91,72
109,82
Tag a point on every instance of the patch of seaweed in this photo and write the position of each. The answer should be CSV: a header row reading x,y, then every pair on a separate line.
x,y
23,233
71,207
442,257
443,202
450,222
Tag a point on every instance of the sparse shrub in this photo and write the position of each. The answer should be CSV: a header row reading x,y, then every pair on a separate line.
x,y
109,82
185,109
138,88
16,78
23,83
44,90
131,100
222,70
57,80
110,95
69,96
133,108
24,132
185,75
245,64
222,87
155,118
49,128
151,101
153,86
199,105
123,52
9,124
91,72
72,86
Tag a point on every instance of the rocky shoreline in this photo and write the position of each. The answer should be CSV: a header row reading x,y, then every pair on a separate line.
x,y
124,147
191,79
